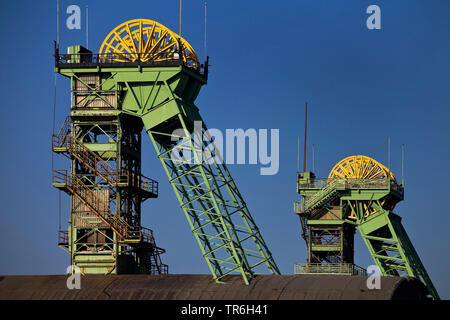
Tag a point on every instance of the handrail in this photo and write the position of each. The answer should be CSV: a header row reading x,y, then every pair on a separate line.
x,y
332,268
349,183
147,236
297,207
64,139
111,175
323,193
88,196
327,187
144,183
108,59
63,237
123,177
99,206
65,128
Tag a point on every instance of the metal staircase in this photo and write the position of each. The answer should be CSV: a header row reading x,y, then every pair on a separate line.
x,y
65,142
152,254
75,185
323,196
84,190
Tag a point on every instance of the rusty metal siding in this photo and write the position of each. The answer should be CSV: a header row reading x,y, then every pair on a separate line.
x,y
83,216
85,97
91,79
88,100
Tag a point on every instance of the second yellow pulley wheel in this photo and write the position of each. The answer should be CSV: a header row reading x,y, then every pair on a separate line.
x,y
146,40
360,167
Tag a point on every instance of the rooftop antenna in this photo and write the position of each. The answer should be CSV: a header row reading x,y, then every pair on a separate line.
x,y
206,5
304,146
298,154
181,2
57,23
302,216
389,153
313,158
87,28
403,166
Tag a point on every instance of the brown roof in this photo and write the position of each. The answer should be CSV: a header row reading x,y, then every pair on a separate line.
x,y
194,286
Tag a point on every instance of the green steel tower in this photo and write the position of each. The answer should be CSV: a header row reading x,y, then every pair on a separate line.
x,y
104,182
146,76
359,194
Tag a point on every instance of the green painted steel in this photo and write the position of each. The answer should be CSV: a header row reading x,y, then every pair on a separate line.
x,y
367,204
162,98
104,182
217,214
106,190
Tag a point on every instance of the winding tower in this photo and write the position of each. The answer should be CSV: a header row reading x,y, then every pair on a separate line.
x,y
148,77
359,194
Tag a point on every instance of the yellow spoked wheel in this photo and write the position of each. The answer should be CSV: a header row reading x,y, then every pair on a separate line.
x,y
146,40
360,167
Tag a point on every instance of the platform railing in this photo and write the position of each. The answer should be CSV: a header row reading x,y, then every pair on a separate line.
x,y
99,205
144,183
90,159
324,192
90,59
63,237
111,175
117,58
317,268
298,207
327,187
348,183
147,236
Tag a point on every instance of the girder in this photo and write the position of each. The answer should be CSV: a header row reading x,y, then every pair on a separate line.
x,y
219,218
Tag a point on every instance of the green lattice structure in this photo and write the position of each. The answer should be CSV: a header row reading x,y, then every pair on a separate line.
x,y
104,182
160,97
335,207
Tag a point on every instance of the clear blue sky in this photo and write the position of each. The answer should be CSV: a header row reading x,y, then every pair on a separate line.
x,y
267,58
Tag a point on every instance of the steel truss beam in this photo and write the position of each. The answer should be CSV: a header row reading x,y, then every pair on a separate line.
x,y
227,235
388,242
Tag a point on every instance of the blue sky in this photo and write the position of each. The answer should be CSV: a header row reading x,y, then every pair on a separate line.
x,y
267,58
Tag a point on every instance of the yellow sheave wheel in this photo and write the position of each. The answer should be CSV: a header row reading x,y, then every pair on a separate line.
x,y
146,40
360,167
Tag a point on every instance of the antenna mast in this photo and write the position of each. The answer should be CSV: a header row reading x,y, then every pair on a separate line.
x,y
389,153
298,154
304,146
87,28
181,1
403,166
206,5
57,23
